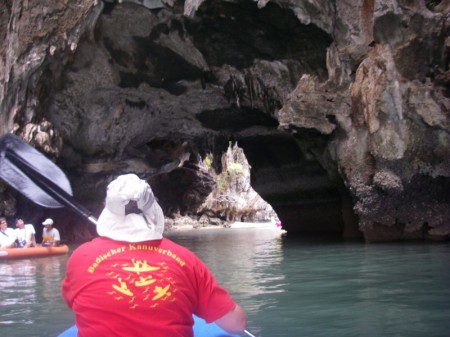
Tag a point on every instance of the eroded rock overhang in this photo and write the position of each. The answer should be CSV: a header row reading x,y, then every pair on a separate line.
x,y
340,108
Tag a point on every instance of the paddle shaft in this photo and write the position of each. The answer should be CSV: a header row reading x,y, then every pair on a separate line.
x,y
248,333
48,186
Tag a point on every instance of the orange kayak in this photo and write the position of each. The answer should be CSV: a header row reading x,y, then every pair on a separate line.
x,y
20,253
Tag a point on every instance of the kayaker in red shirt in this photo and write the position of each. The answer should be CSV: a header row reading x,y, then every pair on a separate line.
x,y
133,282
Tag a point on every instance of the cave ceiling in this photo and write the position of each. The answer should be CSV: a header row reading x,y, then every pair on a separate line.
x,y
149,88
340,107
156,74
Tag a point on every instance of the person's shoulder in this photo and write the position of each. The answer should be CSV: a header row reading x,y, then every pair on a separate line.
x,y
85,248
179,248
95,244
31,228
167,242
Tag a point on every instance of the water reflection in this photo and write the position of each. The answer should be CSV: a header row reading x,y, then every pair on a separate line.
x,y
18,291
338,289
289,287
396,286
247,262
29,295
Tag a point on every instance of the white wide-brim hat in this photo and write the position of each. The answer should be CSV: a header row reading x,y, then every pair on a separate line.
x,y
115,224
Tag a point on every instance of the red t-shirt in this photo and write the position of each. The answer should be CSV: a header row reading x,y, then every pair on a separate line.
x,y
140,289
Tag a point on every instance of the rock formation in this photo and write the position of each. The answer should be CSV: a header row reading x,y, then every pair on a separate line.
x,y
340,107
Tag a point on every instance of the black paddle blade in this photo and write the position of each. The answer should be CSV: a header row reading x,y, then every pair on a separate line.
x,y
31,173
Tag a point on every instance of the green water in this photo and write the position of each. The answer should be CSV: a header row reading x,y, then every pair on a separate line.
x,y
289,287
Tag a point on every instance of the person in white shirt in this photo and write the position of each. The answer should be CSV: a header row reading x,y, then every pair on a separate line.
x,y
50,235
25,234
7,235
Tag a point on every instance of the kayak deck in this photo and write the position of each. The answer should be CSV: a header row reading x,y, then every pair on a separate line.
x,y
201,329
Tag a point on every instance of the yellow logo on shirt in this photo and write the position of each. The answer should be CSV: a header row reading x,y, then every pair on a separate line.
x,y
140,283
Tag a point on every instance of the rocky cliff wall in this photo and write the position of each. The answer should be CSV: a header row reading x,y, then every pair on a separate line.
x,y
341,107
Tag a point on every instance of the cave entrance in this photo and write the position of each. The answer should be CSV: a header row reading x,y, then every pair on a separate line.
x,y
209,194
145,75
291,173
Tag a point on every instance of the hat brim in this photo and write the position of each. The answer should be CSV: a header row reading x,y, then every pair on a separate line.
x,y
129,228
